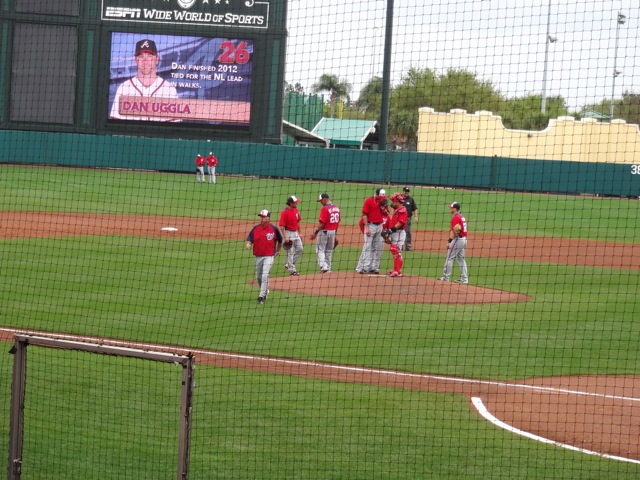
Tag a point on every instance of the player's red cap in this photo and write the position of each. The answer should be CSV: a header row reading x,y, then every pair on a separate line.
x,y
264,213
292,199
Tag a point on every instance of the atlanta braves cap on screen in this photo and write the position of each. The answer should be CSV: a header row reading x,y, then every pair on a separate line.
x,y
323,195
455,205
264,213
146,46
292,199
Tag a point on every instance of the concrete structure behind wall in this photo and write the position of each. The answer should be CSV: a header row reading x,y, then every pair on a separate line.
x,y
565,139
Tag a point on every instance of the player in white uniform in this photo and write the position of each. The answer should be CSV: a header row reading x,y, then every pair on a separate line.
x,y
146,83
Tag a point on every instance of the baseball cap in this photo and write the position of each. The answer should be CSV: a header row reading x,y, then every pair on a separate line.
x,y
292,199
381,192
405,189
396,197
264,213
146,46
323,195
455,205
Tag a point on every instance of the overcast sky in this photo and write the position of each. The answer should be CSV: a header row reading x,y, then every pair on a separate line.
x,y
502,41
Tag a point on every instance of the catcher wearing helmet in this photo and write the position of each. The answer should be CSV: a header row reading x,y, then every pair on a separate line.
x,y
396,233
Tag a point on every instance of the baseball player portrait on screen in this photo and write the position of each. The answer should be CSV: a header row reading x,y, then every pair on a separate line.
x,y
178,78
146,84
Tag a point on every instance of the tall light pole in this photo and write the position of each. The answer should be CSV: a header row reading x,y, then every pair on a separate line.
x,y
386,78
548,39
621,21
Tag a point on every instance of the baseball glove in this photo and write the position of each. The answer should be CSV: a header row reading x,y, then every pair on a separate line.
x,y
287,245
457,229
386,234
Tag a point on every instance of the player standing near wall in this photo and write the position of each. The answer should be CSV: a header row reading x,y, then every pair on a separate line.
x,y
199,168
457,246
369,261
212,162
266,240
325,232
289,226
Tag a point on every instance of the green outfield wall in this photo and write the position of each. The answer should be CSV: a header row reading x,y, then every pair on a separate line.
x,y
263,160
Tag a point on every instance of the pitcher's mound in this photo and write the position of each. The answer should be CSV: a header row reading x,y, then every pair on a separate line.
x,y
405,289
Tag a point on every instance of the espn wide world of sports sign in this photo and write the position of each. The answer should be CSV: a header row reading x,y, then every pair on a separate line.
x,y
227,13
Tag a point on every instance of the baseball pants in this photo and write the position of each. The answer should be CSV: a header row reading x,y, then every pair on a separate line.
x,y
200,174
372,250
407,243
263,267
325,243
456,252
294,254
398,238
212,174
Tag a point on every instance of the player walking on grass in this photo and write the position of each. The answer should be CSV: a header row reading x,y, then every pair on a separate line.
x,y
457,246
212,162
396,235
369,261
325,232
266,240
200,168
290,227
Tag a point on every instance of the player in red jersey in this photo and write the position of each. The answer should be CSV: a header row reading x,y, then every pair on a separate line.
x,y
212,162
325,232
290,227
266,240
457,245
200,168
397,226
384,208
369,261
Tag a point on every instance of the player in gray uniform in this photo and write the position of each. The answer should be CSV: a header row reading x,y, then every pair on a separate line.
x,y
369,261
325,232
457,246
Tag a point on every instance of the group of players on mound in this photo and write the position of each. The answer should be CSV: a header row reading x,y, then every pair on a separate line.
x,y
378,225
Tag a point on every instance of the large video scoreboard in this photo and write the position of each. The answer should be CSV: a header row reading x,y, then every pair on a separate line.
x,y
173,68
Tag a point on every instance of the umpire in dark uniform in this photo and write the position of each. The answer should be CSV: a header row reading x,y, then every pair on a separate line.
x,y
412,213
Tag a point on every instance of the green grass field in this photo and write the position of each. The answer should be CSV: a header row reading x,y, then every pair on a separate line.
x,y
196,293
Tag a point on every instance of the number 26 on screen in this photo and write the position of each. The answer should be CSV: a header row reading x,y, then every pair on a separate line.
x,y
232,54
